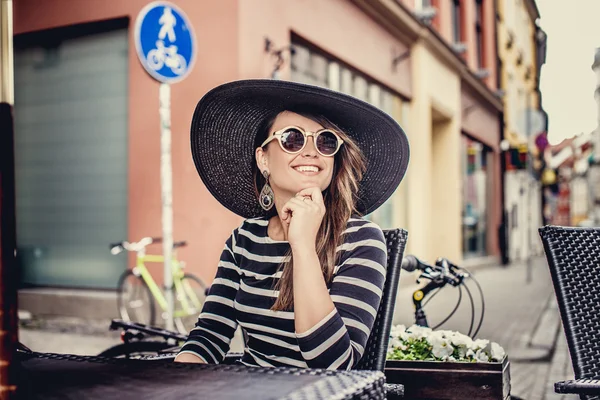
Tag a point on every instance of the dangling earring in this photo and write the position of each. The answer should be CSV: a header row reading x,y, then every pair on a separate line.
x,y
266,196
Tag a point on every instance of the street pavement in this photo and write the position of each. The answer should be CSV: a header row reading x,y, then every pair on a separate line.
x,y
520,314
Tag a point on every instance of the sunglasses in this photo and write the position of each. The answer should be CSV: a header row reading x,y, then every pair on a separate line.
x,y
292,139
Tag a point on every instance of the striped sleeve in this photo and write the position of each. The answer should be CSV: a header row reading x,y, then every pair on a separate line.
x,y
211,337
338,341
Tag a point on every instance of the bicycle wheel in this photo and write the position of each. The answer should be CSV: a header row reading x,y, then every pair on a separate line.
x,y
134,299
155,59
137,349
194,293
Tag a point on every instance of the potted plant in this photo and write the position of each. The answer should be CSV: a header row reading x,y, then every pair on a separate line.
x,y
444,364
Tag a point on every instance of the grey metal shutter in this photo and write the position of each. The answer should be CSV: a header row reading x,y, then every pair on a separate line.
x,y
71,159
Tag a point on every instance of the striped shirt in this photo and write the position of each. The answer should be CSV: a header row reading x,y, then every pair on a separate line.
x,y
242,294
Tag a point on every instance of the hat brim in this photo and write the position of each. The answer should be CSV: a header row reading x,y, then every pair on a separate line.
x,y
227,118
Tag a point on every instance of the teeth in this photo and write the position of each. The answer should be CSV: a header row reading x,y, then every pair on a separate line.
x,y
307,168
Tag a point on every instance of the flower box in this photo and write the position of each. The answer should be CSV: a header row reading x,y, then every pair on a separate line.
x,y
450,380
446,365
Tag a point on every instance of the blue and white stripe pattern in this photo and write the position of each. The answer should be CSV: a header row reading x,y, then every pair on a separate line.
x,y
242,294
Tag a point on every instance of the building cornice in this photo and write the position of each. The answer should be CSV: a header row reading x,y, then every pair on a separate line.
x,y
596,63
532,9
401,22
394,17
440,47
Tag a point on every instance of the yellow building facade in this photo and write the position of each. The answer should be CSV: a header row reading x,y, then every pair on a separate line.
x,y
519,81
516,29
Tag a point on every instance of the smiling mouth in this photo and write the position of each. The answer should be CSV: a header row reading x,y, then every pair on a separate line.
x,y
307,168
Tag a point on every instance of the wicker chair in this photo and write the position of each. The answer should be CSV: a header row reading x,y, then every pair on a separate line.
x,y
573,256
376,348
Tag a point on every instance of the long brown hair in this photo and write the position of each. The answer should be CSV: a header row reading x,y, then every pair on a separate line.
x,y
339,198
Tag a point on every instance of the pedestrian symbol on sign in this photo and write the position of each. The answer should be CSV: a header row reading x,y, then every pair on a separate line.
x,y
164,42
167,22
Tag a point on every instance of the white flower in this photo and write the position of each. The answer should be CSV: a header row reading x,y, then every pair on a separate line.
x,y
397,330
479,344
462,352
418,332
448,334
441,347
437,337
481,356
498,352
460,340
442,350
444,343
395,342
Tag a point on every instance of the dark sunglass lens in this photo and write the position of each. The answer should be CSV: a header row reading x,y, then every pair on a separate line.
x,y
292,140
327,143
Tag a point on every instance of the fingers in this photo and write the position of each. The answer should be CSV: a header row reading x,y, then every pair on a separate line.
x,y
290,207
313,192
294,204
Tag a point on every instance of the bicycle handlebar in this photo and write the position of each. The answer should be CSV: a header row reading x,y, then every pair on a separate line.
x,y
443,270
116,248
442,273
149,330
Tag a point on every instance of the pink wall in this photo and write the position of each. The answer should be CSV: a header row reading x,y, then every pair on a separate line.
x,y
230,45
443,20
491,57
480,121
349,36
410,4
443,25
489,38
198,218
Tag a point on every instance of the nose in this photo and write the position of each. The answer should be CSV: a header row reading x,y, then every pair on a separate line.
x,y
310,150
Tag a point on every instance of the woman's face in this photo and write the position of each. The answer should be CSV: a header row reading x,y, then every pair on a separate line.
x,y
290,173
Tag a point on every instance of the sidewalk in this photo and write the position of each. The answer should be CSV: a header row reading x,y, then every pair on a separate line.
x,y
79,336
522,317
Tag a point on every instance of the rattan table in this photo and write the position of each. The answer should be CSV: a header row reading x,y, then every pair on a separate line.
x,y
62,376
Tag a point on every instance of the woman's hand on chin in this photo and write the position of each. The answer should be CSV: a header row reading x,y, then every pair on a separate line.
x,y
301,217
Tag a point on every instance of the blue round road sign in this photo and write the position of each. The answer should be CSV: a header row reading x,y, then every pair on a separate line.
x,y
165,42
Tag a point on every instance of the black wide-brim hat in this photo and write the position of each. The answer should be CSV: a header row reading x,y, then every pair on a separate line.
x,y
227,119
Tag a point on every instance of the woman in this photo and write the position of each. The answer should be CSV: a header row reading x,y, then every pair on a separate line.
x,y
302,275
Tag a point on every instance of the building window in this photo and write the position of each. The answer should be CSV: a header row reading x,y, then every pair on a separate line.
x,y
456,25
479,32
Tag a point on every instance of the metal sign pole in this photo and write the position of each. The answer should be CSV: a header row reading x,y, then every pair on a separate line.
x,y
165,44
166,180
8,238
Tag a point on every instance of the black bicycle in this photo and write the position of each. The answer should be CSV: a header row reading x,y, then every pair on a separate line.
x,y
442,273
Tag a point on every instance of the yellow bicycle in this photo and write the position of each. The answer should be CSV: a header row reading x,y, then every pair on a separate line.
x,y
138,294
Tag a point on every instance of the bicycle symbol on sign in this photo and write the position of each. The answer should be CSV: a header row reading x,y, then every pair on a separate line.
x,y
161,56
166,55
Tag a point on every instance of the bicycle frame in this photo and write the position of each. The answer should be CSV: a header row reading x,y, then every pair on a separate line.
x,y
419,295
180,286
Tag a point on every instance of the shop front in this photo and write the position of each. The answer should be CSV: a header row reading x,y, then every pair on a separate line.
x,y
481,177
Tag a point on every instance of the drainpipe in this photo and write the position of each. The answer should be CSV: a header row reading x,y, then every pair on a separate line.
x,y
8,245
503,228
